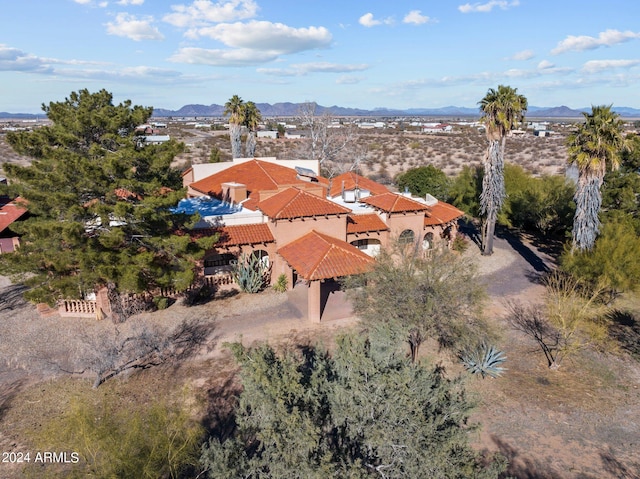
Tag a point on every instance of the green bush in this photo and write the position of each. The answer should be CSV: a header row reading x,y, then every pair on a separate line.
x,y
281,283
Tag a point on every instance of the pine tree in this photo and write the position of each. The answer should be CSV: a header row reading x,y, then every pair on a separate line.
x,y
100,203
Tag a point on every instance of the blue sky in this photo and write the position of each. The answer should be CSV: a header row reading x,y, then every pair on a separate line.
x,y
352,53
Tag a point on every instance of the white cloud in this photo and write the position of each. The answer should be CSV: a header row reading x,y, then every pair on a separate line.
x,y
300,69
83,2
130,2
367,20
487,7
238,57
522,56
266,36
545,64
583,42
12,59
348,80
204,12
596,66
416,17
131,27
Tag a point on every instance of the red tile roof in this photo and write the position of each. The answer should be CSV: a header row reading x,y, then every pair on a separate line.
x,y
365,223
317,256
125,194
394,203
10,211
237,235
351,180
441,213
256,175
296,203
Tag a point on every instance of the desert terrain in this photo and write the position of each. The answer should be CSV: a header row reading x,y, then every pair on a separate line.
x,y
580,422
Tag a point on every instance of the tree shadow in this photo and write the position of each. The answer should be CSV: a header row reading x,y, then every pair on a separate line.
x,y
617,468
222,402
522,467
7,395
11,297
514,240
625,329
471,231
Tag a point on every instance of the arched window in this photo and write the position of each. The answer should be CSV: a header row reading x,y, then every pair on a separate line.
x,y
406,237
263,256
427,242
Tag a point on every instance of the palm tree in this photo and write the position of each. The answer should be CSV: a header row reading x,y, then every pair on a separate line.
x,y
235,109
502,109
252,118
596,144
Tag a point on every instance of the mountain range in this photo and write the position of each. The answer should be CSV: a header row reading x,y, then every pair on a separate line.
x,y
292,109
288,109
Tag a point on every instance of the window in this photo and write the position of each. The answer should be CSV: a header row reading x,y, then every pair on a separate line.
x,y
406,237
427,242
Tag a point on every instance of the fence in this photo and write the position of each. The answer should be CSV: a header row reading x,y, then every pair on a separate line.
x,y
77,308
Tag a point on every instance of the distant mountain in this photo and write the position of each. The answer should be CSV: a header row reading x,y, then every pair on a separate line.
x,y
287,109
292,109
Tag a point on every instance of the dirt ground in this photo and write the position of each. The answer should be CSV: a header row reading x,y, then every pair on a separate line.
x,y
580,422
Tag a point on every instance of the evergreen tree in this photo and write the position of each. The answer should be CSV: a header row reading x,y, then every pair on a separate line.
x,y
425,179
362,411
99,203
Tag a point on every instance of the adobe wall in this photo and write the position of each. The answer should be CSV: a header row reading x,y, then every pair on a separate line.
x,y
285,231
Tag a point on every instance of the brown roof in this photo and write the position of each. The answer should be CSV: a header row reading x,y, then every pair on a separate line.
x,y
364,223
394,203
351,180
256,175
441,213
237,235
10,211
317,256
296,203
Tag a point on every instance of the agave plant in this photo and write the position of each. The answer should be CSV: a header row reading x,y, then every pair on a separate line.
x,y
250,273
484,360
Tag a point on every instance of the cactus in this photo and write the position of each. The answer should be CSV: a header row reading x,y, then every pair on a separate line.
x,y
250,273
484,360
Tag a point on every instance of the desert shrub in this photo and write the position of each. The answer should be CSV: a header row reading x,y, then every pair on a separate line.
x,y
157,440
161,302
460,243
541,205
614,261
281,284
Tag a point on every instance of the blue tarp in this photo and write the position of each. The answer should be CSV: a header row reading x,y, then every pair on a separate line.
x,y
206,207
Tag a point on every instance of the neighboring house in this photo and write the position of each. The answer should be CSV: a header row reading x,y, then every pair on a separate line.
x,y
437,128
152,140
10,212
267,134
308,228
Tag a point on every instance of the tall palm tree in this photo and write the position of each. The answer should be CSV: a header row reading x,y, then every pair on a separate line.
x,y
595,145
235,109
252,118
502,110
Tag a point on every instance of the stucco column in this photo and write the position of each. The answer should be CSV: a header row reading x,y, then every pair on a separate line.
x,y
313,301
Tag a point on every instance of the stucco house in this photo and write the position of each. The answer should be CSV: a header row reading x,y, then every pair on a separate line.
x,y
10,212
308,228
